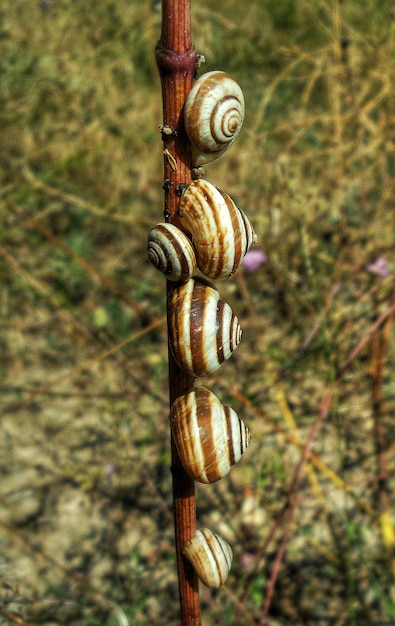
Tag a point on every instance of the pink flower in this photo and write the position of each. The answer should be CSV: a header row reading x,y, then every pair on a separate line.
x,y
379,267
254,259
247,562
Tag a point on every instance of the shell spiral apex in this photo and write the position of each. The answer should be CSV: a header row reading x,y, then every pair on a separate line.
x,y
213,115
211,557
210,437
171,252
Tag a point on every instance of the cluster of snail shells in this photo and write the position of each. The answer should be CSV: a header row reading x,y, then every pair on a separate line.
x,y
212,235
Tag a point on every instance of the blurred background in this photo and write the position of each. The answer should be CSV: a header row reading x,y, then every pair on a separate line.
x,y
86,533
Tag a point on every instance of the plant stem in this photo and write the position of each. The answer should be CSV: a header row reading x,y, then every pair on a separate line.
x,y
176,59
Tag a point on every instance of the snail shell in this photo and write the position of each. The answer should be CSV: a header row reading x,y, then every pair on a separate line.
x,y
203,330
213,115
171,252
221,233
209,436
211,557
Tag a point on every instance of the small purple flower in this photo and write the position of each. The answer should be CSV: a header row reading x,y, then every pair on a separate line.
x,y
109,469
379,267
247,562
254,259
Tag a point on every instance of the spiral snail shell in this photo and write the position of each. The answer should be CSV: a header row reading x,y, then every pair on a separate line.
x,y
209,436
221,233
203,330
213,115
171,252
211,557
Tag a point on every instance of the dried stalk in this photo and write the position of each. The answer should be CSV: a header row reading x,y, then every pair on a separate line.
x,y
176,59
379,348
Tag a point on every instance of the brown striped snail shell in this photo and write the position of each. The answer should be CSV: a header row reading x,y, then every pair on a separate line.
x,y
213,115
171,252
210,556
203,330
221,233
209,436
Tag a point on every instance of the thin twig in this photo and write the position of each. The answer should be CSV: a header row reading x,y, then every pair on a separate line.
x,y
379,350
292,500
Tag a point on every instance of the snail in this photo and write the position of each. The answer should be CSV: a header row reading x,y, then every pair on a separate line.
x,y
211,557
171,252
203,330
209,436
221,233
213,115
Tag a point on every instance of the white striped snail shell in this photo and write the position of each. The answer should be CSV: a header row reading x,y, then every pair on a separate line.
x,y
171,252
210,556
203,329
221,233
213,115
209,436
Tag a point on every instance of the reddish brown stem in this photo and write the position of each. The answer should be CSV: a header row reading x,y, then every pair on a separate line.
x,y
292,502
176,59
380,342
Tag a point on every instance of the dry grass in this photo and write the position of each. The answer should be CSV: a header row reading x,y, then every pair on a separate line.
x,y
85,523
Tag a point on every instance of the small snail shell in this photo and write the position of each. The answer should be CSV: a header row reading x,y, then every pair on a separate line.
x,y
221,233
171,252
209,436
203,330
211,557
213,115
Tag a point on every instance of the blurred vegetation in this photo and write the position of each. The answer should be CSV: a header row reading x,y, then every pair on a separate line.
x,y
83,348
